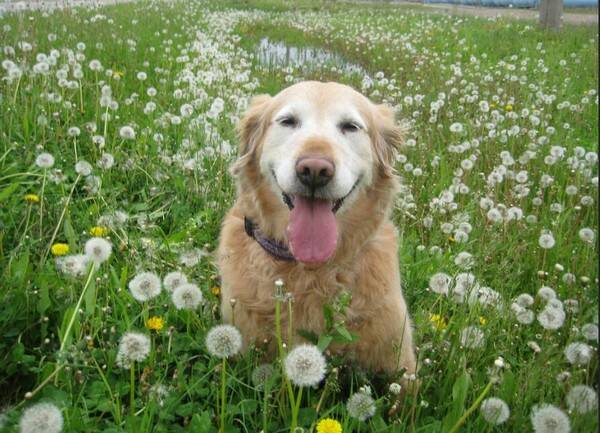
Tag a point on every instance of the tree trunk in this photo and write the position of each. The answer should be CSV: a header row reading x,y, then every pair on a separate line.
x,y
550,13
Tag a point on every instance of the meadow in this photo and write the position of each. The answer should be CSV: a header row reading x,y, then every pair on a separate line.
x,y
117,128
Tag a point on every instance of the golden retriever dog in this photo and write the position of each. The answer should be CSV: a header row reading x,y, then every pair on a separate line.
x,y
315,188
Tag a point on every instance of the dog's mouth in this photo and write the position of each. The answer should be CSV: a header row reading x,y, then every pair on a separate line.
x,y
312,228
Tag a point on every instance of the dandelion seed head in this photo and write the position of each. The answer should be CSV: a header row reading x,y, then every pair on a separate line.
x,y
472,337
145,286
582,399
98,250
44,160
361,406
223,341
547,418
41,418
579,354
494,410
440,283
187,297
305,365
173,280
133,347
262,374
590,331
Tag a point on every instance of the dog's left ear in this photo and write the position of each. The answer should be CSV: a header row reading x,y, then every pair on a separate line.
x,y
389,136
251,129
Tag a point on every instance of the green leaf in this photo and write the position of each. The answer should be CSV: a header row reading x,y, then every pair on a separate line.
x,y
90,298
201,423
324,342
8,191
44,299
70,234
459,398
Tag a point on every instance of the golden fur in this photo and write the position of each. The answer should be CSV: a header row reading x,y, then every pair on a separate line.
x,y
365,262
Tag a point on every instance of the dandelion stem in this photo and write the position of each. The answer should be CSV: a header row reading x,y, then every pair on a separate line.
x,y
41,385
76,310
60,220
282,350
295,410
132,389
473,407
223,377
42,202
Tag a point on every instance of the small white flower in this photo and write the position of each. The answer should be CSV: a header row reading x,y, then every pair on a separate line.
x,y
547,418
106,161
546,293
305,365
187,297
361,406
524,300
395,388
582,399
579,353
173,280
145,286
456,127
223,341
98,250
74,265
494,410
41,418
133,347
44,160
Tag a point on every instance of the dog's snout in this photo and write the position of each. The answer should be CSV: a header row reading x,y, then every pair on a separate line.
x,y
314,172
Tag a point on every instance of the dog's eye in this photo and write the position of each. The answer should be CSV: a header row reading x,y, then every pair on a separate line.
x,y
288,121
349,126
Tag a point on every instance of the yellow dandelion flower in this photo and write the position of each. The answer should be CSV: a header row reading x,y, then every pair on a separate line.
x,y
451,239
99,231
216,291
155,323
329,425
118,74
32,198
482,320
438,322
59,249
508,107
492,105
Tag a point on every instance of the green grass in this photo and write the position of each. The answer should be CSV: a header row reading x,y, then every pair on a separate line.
x,y
172,183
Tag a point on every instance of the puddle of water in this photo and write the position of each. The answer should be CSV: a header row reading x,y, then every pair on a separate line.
x,y
278,54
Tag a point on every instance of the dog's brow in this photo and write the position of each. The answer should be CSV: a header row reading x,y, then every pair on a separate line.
x,y
284,112
352,118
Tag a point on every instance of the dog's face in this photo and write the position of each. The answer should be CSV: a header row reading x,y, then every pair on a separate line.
x,y
318,146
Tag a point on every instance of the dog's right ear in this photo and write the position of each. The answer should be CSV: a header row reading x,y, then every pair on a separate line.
x,y
251,129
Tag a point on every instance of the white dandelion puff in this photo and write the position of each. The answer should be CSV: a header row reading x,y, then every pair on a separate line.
x,y
546,240
588,235
223,341
546,293
41,418
145,286
187,297
75,264
464,260
590,331
582,399
173,280
133,347
579,353
494,410
127,132
440,283
472,337
262,374
98,250
547,418
192,257
305,365
361,406
83,168
551,318
44,160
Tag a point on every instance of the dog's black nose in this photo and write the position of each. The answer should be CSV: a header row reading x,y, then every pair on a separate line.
x,y
314,172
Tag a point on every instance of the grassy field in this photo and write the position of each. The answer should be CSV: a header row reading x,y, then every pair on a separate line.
x,y
118,124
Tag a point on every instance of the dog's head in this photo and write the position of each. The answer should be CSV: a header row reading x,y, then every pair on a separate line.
x,y
311,151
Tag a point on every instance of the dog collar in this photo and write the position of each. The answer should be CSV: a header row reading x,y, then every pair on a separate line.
x,y
276,249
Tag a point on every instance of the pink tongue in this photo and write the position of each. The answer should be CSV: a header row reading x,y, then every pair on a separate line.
x,y
312,231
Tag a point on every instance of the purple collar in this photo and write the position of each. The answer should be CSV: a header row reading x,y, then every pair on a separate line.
x,y
277,250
